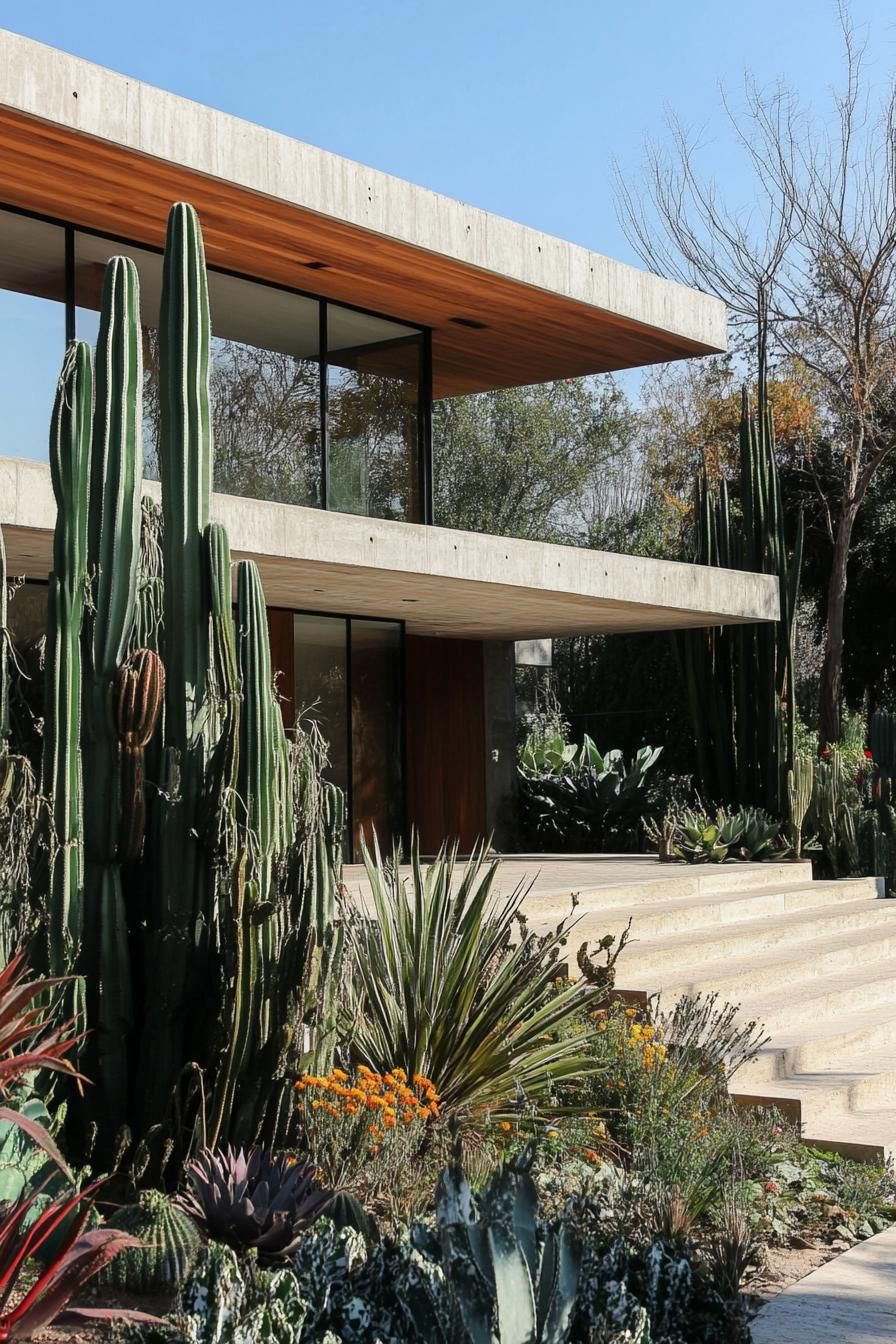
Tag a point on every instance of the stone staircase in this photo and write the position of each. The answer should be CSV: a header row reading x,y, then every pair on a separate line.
x,y
815,962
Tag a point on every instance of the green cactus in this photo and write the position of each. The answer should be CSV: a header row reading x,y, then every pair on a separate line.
x,y
192,885
800,783
113,542
883,750
70,436
740,679
170,1243
836,806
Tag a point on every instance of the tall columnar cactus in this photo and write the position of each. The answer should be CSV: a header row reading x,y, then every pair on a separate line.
x,y
740,679
70,436
113,542
800,784
883,751
193,883
183,894
4,652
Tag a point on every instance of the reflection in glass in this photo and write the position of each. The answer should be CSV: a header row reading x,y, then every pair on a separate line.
x,y
91,256
377,796
321,685
32,330
373,378
27,613
266,391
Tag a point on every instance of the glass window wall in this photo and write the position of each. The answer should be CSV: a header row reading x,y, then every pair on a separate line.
x,y
32,331
271,414
373,399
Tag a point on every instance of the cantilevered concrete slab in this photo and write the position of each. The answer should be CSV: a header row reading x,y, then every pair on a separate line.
x,y
438,580
507,305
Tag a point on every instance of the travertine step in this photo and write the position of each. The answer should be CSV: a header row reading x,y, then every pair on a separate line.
x,y
742,943
655,918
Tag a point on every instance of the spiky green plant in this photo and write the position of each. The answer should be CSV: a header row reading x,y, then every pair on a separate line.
x,y
800,784
164,1247
740,679
190,885
444,985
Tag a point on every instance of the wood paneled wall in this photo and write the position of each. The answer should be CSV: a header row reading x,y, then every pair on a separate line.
x,y
280,631
445,740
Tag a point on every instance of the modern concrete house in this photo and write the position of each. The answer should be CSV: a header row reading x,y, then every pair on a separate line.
x,y
343,302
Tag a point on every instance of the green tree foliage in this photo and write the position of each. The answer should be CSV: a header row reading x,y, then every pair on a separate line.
x,y
528,461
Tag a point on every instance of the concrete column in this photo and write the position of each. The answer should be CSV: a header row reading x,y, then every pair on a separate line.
x,y
499,701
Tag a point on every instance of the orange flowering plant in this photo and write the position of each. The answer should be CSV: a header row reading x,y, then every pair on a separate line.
x,y
365,1122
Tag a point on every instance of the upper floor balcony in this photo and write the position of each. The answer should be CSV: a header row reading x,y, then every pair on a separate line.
x,y
343,300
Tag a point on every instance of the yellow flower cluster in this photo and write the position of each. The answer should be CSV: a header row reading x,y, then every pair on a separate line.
x,y
644,1038
390,1096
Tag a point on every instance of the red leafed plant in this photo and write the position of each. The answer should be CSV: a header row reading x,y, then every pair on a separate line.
x,y
28,1039
80,1255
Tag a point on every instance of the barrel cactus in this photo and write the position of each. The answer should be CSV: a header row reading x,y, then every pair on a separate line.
x,y
169,1246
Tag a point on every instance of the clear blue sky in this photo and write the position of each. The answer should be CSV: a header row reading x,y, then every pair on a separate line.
x,y
515,107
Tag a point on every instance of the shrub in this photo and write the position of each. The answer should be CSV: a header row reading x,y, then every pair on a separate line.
x,y
440,987
373,1134
574,798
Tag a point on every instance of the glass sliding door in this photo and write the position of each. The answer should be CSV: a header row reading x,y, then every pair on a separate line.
x,y
349,681
377,803
321,682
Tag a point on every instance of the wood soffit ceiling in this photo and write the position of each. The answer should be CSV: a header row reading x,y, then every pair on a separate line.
x,y
528,335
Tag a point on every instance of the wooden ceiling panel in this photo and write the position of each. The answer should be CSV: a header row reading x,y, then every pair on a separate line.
x,y
529,335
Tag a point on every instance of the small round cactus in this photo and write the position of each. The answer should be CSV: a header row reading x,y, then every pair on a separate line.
x,y
170,1242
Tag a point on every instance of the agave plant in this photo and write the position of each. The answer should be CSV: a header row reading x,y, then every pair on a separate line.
x,y
253,1200
448,982
704,839
28,1038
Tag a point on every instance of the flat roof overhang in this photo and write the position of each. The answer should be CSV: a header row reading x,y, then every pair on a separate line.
x,y
438,580
507,305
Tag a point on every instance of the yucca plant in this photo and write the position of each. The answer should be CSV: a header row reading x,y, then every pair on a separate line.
x,y
253,1201
447,981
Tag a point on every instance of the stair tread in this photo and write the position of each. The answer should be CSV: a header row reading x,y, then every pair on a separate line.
x,y
847,890
790,919
847,1024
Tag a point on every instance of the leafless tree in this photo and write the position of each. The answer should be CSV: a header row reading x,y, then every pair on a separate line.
x,y
808,274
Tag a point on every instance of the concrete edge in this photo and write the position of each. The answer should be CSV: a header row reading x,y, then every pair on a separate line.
x,y
50,85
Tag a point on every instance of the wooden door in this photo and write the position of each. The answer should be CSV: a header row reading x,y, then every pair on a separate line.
x,y
445,722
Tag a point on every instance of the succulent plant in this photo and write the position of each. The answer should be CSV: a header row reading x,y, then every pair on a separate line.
x,y
168,1243
253,1200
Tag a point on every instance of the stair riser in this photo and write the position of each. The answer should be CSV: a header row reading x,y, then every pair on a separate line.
x,y
827,1104
686,917
827,1052
739,944
778,1017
